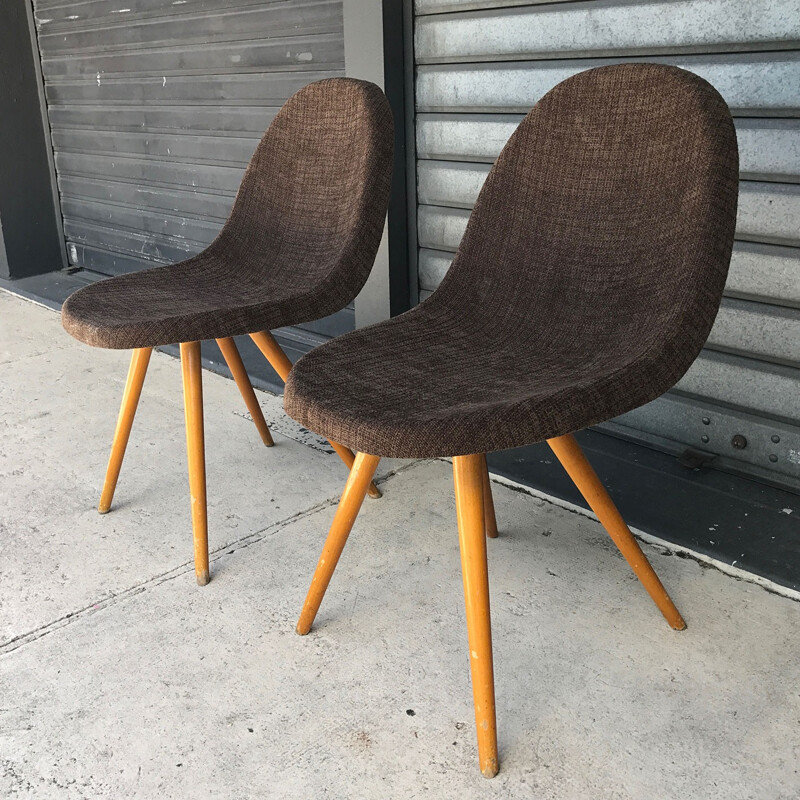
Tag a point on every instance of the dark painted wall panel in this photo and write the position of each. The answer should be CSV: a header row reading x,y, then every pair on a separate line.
x,y
30,242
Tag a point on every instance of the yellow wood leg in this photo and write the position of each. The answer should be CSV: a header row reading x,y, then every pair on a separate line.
x,y
130,400
468,474
235,365
195,448
346,513
488,501
346,454
279,361
571,456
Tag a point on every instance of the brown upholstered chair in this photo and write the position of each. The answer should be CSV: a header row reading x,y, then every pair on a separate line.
x,y
585,285
298,245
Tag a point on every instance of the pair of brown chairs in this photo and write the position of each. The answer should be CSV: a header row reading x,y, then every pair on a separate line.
x,y
586,283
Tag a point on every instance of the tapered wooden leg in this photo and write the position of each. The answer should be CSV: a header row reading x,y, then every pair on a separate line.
x,y
580,470
195,448
346,513
488,501
235,365
468,474
279,361
346,454
127,411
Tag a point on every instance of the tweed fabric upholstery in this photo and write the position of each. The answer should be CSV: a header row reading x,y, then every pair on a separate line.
x,y
586,283
298,245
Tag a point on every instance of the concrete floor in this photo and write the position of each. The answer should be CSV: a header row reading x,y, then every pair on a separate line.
x,y
121,678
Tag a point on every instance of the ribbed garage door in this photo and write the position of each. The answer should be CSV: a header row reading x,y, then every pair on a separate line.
x,y
155,108
482,65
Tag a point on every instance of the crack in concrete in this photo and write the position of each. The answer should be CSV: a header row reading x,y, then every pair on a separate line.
x,y
252,538
227,549
13,360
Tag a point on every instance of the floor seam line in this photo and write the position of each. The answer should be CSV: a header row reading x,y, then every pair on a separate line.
x,y
252,538
239,544
25,356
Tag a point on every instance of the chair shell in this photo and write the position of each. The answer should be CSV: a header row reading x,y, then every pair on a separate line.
x,y
585,285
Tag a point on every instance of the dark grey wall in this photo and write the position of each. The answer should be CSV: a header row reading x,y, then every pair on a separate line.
x,y
30,243
155,109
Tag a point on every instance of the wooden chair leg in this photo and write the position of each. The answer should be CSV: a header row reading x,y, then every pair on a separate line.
x,y
130,400
580,470
279,361
346,513
488,501
195,448
240,376
346,454
468,475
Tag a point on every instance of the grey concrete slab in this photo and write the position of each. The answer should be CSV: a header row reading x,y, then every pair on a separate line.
x,y
58,406
120,678
27,329
174,692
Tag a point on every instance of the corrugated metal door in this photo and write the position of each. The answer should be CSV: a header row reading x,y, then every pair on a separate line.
x,y
155,108
480,65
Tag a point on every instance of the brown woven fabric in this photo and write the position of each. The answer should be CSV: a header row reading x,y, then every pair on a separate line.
x,y
586,283
299,243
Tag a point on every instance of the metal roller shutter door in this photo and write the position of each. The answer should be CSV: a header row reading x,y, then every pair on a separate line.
x,y
155,108
480,66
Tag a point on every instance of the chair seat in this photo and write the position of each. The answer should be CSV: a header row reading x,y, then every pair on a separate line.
x,y
193,300
431,384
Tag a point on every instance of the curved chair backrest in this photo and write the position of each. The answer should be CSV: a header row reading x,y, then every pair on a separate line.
x,y
312,203
606,225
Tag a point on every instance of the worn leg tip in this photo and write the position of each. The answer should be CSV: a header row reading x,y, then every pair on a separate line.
x,y
490,768
301,629
374,492
103,509
203,578
680,625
